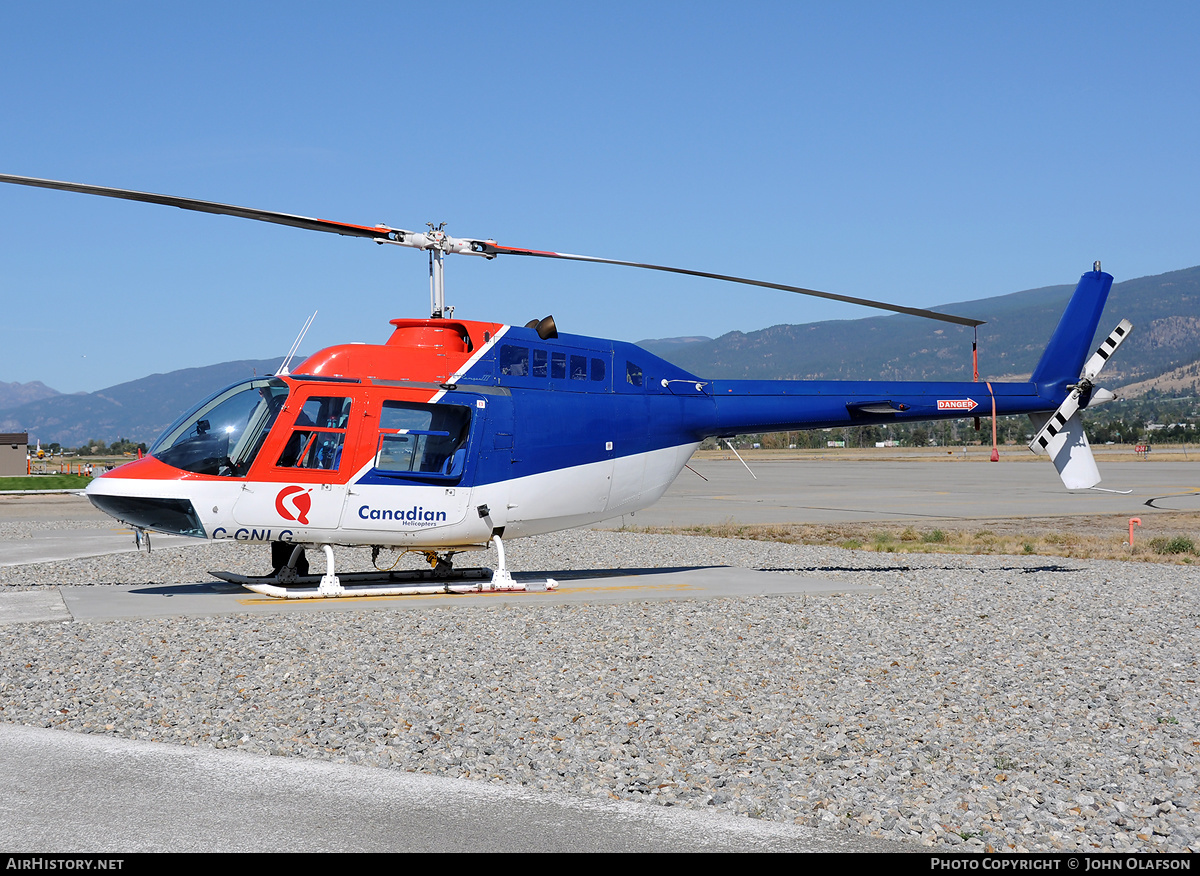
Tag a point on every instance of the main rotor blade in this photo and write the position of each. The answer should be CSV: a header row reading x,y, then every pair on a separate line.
x,y
207,207
491,248
486,248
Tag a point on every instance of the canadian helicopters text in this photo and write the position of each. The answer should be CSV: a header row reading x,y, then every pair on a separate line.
x,y
454,434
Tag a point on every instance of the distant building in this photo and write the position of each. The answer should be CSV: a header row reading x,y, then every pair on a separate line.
x,y
14,454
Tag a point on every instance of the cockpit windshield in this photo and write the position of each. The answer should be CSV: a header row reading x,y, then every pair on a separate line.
x,y
223,434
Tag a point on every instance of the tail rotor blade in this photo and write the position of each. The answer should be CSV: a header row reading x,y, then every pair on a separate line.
x,y
1106,349
1081,394
1070,452
1056,423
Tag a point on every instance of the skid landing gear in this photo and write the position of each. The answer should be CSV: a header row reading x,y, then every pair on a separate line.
x,y
292,581
288,561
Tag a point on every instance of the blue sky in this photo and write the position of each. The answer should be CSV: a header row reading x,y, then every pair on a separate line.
x,y
918,152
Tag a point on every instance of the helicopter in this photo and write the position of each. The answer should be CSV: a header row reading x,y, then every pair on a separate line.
x,y
454,435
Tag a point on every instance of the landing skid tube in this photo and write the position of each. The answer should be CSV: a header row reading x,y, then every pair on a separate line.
x,y
286,584
416,582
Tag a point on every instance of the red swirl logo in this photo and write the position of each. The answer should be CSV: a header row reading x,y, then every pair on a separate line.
x,y
294,503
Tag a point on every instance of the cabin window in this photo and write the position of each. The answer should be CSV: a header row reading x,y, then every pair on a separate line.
x,y
633,374
426,440
579,367
597,369
325,412
514,361
318,434
224,433
539,363
558,366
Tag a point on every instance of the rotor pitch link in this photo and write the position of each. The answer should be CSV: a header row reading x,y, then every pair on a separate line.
x,y
434,239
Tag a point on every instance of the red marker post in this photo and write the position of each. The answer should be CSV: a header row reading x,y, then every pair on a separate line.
x,y
1133,521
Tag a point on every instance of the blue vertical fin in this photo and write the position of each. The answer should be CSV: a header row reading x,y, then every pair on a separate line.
x,y
1072,339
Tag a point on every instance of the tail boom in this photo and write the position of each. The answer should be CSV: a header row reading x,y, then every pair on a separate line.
x,y
751,406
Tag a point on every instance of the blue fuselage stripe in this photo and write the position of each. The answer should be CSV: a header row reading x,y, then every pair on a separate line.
x,y
547,422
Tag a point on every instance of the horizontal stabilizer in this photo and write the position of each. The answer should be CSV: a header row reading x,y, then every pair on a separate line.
x,y
1069,450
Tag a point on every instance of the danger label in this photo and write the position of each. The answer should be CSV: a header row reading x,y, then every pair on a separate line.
x,y
957,404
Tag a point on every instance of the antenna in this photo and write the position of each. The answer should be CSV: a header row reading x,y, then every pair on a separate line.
x,y
283,369
739,456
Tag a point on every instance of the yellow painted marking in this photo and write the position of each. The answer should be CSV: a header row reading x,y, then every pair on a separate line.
x,y
272,600
663,587
277,600
363,597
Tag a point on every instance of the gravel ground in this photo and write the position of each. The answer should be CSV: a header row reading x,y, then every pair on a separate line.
x,y
1007,703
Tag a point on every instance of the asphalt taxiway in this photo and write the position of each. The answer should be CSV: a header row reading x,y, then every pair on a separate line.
x,y
214,597
62,792
812,490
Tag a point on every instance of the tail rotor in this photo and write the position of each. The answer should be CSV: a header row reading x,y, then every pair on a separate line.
x,y
1061,434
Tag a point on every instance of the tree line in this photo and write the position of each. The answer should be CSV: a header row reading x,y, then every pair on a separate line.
x,y
1152,419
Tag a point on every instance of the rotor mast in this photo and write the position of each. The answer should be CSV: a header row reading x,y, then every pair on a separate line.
x,y
437,272
437,284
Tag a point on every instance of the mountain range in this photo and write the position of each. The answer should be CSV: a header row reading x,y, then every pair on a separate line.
x,y
15,394
1164,309
138,410
1162,352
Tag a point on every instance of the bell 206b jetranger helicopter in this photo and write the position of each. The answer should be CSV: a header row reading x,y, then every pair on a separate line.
x,y
455,433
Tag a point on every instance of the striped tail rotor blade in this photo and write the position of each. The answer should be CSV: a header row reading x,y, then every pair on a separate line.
x,y
1071,454
1072,404
1100,357
1056,423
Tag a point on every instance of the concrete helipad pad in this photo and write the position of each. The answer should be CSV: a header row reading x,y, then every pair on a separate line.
x,y
217,597
71,792
71,544
33,605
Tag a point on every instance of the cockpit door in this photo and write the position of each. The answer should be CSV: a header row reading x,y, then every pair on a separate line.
x,y
417,481
300,479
